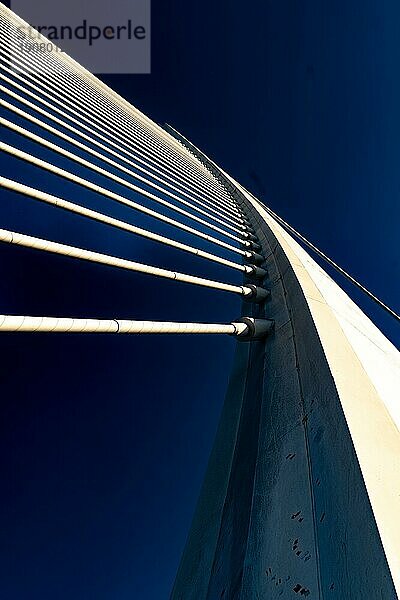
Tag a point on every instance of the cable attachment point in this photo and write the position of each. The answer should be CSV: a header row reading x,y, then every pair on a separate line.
x,y
251,236
257,329
253,293
255,258
258,272
251,245
255,246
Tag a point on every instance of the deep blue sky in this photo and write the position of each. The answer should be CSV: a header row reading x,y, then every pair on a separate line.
x,y
104,440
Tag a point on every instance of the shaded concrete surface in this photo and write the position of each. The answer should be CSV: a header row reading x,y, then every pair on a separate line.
x,y
284,511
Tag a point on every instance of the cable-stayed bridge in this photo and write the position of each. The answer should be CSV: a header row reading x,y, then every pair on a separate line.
x,y
302,490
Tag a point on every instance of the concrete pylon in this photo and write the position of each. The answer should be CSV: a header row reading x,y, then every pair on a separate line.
x,y
302,493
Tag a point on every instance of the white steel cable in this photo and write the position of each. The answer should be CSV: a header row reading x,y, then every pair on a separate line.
x,y
113,196
50,60
151,155
73,75
10,323
62,123
56,61
155,176
96,216
109,175
110,141
94,167
83,147
161,180
65,115
157,147
28,241
105,90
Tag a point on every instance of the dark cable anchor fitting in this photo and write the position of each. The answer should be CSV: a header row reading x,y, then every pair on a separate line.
x,y
257,329
255,258
250,236
258,294
258,272
253,245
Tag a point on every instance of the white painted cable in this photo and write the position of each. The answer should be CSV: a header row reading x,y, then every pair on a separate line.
x,y
62,123
100,134
28,241
155,176
49,59
105,90
71,78
10,323
109,175
42,164
62,99
100,217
